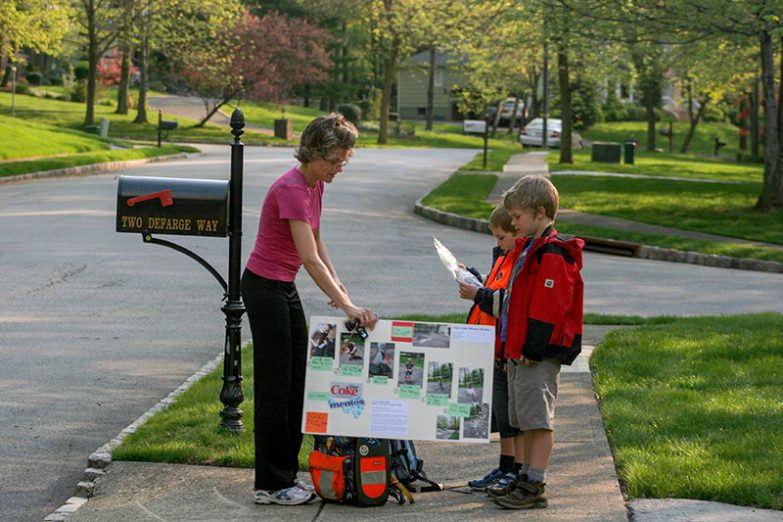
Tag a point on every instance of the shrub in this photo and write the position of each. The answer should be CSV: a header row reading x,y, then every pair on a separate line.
x,y
351,112
372,104
81,70
713,114
34,78
79,92
614,109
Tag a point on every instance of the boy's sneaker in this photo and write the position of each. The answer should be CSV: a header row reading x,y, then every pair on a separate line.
x,y
505,485
489,479
290,496
527,495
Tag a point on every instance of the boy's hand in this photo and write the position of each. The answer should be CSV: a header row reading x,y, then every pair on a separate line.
x,y
467,291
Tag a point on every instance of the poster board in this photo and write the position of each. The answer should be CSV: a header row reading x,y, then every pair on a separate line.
x,y
406,380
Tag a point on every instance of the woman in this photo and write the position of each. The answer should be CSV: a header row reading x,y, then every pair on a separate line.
x,y
289,236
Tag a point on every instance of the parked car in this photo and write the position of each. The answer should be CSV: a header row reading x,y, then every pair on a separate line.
x,y
507,108
530,134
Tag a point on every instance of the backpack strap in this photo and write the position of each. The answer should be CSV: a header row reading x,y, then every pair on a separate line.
x,y
431,485
399,491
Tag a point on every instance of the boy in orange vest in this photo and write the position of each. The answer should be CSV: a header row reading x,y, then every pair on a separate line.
x,y
487,304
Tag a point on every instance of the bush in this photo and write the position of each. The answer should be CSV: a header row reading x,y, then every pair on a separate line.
x,y
713,114
34,78
79,92
81,70
351,112
614,109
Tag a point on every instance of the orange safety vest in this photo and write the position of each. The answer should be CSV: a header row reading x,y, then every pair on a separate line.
x,y
497,278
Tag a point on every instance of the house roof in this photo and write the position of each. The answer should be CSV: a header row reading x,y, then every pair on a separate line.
x,y
442,59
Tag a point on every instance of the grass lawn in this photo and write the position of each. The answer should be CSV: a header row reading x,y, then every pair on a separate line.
x,y
692,409
712,208
69,115
40,139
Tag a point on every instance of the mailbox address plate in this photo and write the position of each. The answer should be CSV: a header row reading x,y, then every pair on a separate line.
x,y
190,207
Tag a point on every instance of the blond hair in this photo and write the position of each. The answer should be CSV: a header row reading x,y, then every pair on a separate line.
x,y
530,193
500,218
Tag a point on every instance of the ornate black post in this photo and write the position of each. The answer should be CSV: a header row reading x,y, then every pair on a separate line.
x,y
231,394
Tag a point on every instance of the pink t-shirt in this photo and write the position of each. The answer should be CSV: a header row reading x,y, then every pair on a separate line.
x,y
289,198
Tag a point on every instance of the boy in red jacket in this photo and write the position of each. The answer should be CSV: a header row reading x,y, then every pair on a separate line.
x,y
541,325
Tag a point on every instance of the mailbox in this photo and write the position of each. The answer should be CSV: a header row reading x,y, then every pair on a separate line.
x,y
190,207
168,125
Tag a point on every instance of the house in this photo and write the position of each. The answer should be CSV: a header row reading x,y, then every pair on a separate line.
x,y
412,82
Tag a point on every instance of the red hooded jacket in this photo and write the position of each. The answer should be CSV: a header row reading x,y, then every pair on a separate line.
x,y
545,304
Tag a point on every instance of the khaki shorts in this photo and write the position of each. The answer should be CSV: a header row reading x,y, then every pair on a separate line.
x,y
532,391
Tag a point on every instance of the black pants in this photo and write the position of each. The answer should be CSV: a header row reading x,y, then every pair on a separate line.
x,y
279,330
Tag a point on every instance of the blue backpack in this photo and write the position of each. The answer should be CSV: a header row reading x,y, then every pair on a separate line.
x,y
407,471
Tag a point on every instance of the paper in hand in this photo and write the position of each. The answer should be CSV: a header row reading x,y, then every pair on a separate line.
x,y
450,263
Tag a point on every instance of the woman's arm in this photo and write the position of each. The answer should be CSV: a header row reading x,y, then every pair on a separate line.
x,y
307,249
323,253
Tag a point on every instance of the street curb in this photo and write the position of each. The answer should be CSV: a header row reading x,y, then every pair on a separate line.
x,y
643,252
92,168
100,459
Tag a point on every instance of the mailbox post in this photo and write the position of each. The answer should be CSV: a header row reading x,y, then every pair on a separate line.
x,y
199,207
231,394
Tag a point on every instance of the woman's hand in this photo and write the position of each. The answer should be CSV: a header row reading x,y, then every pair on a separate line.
x,y
467,291
366,317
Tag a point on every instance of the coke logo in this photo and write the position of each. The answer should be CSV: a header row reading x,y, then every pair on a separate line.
x,y
346,390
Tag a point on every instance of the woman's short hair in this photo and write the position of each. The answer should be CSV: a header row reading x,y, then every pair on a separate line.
x,y
325,134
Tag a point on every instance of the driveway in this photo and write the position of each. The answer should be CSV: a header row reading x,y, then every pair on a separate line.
x,y
96,326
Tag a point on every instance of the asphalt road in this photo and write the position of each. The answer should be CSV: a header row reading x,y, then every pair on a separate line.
x,y
96,326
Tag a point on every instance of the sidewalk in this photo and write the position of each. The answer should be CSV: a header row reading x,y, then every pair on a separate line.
x,y
582,484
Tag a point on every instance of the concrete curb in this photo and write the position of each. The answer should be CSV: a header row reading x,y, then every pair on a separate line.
x,y
643,252
100,459
83,170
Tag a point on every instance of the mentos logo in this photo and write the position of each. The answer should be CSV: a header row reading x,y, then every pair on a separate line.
x,y
342,389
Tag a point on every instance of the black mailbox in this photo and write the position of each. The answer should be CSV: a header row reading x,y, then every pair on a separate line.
x,y
168,125
190,207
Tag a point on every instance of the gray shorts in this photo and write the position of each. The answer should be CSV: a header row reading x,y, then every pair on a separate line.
x,y
532,391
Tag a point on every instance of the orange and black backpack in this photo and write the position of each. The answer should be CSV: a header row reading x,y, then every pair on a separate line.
x,y
351,470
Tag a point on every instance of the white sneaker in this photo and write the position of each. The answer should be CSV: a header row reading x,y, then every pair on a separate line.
x,y
290,496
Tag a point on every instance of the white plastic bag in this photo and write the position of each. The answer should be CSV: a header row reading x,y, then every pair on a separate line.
x,y
450,262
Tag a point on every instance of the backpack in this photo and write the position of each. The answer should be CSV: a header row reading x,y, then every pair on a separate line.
x,y
407,470
351,470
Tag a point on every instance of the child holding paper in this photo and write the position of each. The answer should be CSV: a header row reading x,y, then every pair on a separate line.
x,y
487,303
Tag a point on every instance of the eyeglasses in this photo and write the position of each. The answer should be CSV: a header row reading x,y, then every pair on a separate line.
x,y
336,162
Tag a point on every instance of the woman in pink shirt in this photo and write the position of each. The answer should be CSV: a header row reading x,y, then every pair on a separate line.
x,y
289,236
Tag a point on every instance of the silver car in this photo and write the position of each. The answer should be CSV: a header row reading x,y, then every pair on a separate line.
x,y
531,134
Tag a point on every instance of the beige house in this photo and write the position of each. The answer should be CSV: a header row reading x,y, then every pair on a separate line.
x,y
412,81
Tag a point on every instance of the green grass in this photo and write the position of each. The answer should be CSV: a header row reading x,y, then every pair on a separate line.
x,y
665,165
716,208
69,115
711,208
39,139
703,142
89,158
692,409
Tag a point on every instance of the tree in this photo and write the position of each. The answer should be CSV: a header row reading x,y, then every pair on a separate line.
x,y
261,59
38,25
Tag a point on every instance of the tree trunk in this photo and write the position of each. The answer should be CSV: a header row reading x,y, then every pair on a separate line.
x,y
431,89
566,152
742,121
92,60
388,80
754,122
513,121
770,196
694,121
496,119
141,109
124,87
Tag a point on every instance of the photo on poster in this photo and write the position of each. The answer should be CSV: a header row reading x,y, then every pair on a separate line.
x,y
382,360
323,339
447,428
411,369
429,335
439,378
476,426
471,386
351,350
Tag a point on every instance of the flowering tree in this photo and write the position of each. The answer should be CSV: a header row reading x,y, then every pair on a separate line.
x,y
258,58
